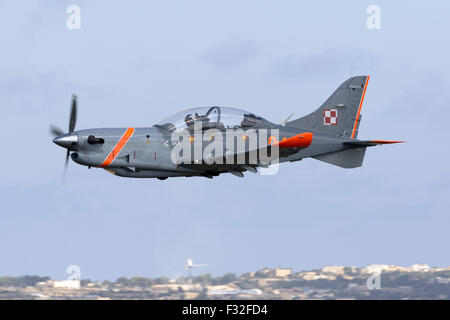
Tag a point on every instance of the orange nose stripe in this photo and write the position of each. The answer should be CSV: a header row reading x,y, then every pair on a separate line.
x,y
118,147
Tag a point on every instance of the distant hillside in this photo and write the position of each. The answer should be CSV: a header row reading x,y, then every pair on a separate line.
x,y
332,282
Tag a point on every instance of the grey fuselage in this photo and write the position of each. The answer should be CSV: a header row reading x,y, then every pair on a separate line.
x,y
147,153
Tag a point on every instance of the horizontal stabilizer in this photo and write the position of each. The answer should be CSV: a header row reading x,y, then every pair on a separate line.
x,y
352,158
369,143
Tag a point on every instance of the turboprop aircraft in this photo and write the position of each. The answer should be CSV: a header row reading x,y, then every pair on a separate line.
x,y
327,134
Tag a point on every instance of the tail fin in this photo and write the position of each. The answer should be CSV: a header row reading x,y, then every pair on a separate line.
x,y
340,114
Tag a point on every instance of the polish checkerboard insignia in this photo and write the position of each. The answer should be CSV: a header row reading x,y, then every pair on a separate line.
x,y
330,117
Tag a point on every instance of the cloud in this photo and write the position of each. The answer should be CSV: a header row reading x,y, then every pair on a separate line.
x,y
26,87
425,104
322,63
231,53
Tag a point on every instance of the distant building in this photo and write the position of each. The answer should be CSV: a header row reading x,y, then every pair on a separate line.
x,y
420,268
312,275
265,271
337,270
266,281
280,272
222,289
191,295
375,268
378,268
67,284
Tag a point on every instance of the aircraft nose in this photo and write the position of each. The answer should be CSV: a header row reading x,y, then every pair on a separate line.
x,y
67,140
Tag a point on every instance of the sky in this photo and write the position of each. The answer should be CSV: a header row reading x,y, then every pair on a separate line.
x,y
133,63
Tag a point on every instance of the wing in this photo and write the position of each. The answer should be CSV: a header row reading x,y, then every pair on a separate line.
x,y
286,146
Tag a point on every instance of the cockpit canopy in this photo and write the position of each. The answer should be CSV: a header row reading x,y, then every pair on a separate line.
x,y
220,118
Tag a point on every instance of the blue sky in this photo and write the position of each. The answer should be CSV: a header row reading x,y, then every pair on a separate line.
x,y
133,63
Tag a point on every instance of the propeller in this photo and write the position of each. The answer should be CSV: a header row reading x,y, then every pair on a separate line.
x,y
56,131
67,159
73,114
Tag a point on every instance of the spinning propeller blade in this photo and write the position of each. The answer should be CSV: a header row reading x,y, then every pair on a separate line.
x,y
57,132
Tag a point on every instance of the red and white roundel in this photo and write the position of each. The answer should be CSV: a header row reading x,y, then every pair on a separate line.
x,y
330,117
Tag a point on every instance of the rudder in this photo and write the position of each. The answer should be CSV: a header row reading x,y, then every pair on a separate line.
x,y
339,115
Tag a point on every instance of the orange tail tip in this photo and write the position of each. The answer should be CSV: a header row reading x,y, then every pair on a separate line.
x,y
301,140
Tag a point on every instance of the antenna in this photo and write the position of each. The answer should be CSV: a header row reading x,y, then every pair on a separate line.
x,y
351,68
283,122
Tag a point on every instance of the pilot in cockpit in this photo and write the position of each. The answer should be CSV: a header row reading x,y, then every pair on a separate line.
x,y
250,120
188,120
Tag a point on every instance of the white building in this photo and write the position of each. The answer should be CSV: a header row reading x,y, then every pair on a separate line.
x,y
420,268
338,270
67,284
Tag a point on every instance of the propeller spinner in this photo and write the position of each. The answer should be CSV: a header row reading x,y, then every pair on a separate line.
x,y
70,139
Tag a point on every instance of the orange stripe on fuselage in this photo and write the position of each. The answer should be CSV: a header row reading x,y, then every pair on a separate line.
x,y
118,147
359,109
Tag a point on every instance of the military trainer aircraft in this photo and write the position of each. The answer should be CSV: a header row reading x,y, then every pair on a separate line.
x,y
327,134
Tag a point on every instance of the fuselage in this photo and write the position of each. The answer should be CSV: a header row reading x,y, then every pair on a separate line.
x,y
146,152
